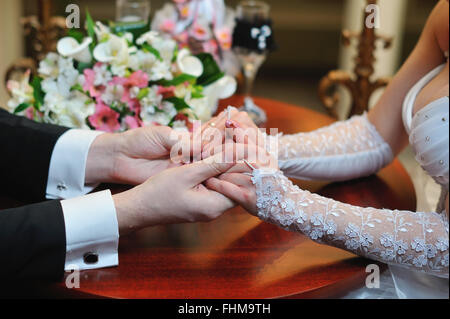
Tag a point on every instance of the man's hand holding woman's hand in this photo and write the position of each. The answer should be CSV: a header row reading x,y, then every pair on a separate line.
x,y
170,192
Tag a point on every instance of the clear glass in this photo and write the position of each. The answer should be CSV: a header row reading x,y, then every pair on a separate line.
x,y
251,61
136,11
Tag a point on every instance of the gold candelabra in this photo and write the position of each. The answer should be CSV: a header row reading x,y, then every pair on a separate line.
x,y
360,85
43,30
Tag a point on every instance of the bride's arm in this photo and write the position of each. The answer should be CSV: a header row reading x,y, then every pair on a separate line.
x,y
418,241
386,116
364,144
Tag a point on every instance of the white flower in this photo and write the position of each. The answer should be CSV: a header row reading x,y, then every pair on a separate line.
x,y
189,64
148,37
151,100
201,108
221,89
69,112
128,36
102,75
113,93
69,47
48,67
160,70
21,92
102,31
53,102
115,51
119,70
165,47
182,91
148,63
67,77
161,116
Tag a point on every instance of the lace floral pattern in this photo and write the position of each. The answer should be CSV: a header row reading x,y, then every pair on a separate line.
x,y
344,150
345,137
418,241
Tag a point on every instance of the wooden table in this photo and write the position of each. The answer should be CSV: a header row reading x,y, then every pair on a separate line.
x,y
238,256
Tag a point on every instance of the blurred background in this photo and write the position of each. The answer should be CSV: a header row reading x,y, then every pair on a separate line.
x,y
308,34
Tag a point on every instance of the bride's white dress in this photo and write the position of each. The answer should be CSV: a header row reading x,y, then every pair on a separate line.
x,y
414,244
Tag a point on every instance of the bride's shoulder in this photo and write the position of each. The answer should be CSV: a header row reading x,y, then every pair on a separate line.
x,y
439,20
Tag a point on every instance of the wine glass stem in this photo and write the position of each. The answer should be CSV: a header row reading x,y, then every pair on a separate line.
x,y
250,75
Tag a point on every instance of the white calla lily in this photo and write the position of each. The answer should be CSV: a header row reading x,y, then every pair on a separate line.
x,y
102,31
69,47
226,87
221,89
114,50
189,64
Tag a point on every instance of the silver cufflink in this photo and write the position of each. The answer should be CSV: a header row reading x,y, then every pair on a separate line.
x,y
90,258
61,187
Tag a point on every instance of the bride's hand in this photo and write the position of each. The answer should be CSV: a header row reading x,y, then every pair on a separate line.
x,y
213,132
236,184
130,157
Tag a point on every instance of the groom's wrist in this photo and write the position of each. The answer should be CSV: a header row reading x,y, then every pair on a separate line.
x,y
100,160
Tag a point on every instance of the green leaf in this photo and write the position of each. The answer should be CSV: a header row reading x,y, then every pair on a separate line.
x,y
148,48
179,80
90,24
38,93
143,93
211,71
77,87
22,107
179,104
77,35
197,95
83,66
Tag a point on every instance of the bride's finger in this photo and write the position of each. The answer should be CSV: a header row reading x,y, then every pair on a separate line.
x,y
233,192
240,168
240,180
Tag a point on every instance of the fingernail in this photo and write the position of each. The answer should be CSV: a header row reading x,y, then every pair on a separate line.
x,y
231,124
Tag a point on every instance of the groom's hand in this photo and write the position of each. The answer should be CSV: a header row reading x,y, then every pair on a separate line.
x,y
130,157
176,195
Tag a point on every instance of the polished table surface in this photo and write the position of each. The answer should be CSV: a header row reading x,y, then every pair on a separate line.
x,y
237,255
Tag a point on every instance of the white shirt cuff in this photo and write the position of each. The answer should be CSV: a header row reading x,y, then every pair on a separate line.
x,y
92,231
66,178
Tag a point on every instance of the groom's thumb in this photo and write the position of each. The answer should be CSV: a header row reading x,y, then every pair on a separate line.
x,y
202,171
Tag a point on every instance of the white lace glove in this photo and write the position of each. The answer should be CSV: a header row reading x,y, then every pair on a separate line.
x,y
418,241
342,151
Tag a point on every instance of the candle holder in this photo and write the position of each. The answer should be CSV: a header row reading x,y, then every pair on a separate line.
x,y
44,31
360,85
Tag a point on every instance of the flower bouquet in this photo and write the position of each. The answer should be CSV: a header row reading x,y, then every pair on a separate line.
x,y
202,26
111,81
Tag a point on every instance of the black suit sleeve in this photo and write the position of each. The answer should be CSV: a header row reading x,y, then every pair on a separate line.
x,y
26,148
33,242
